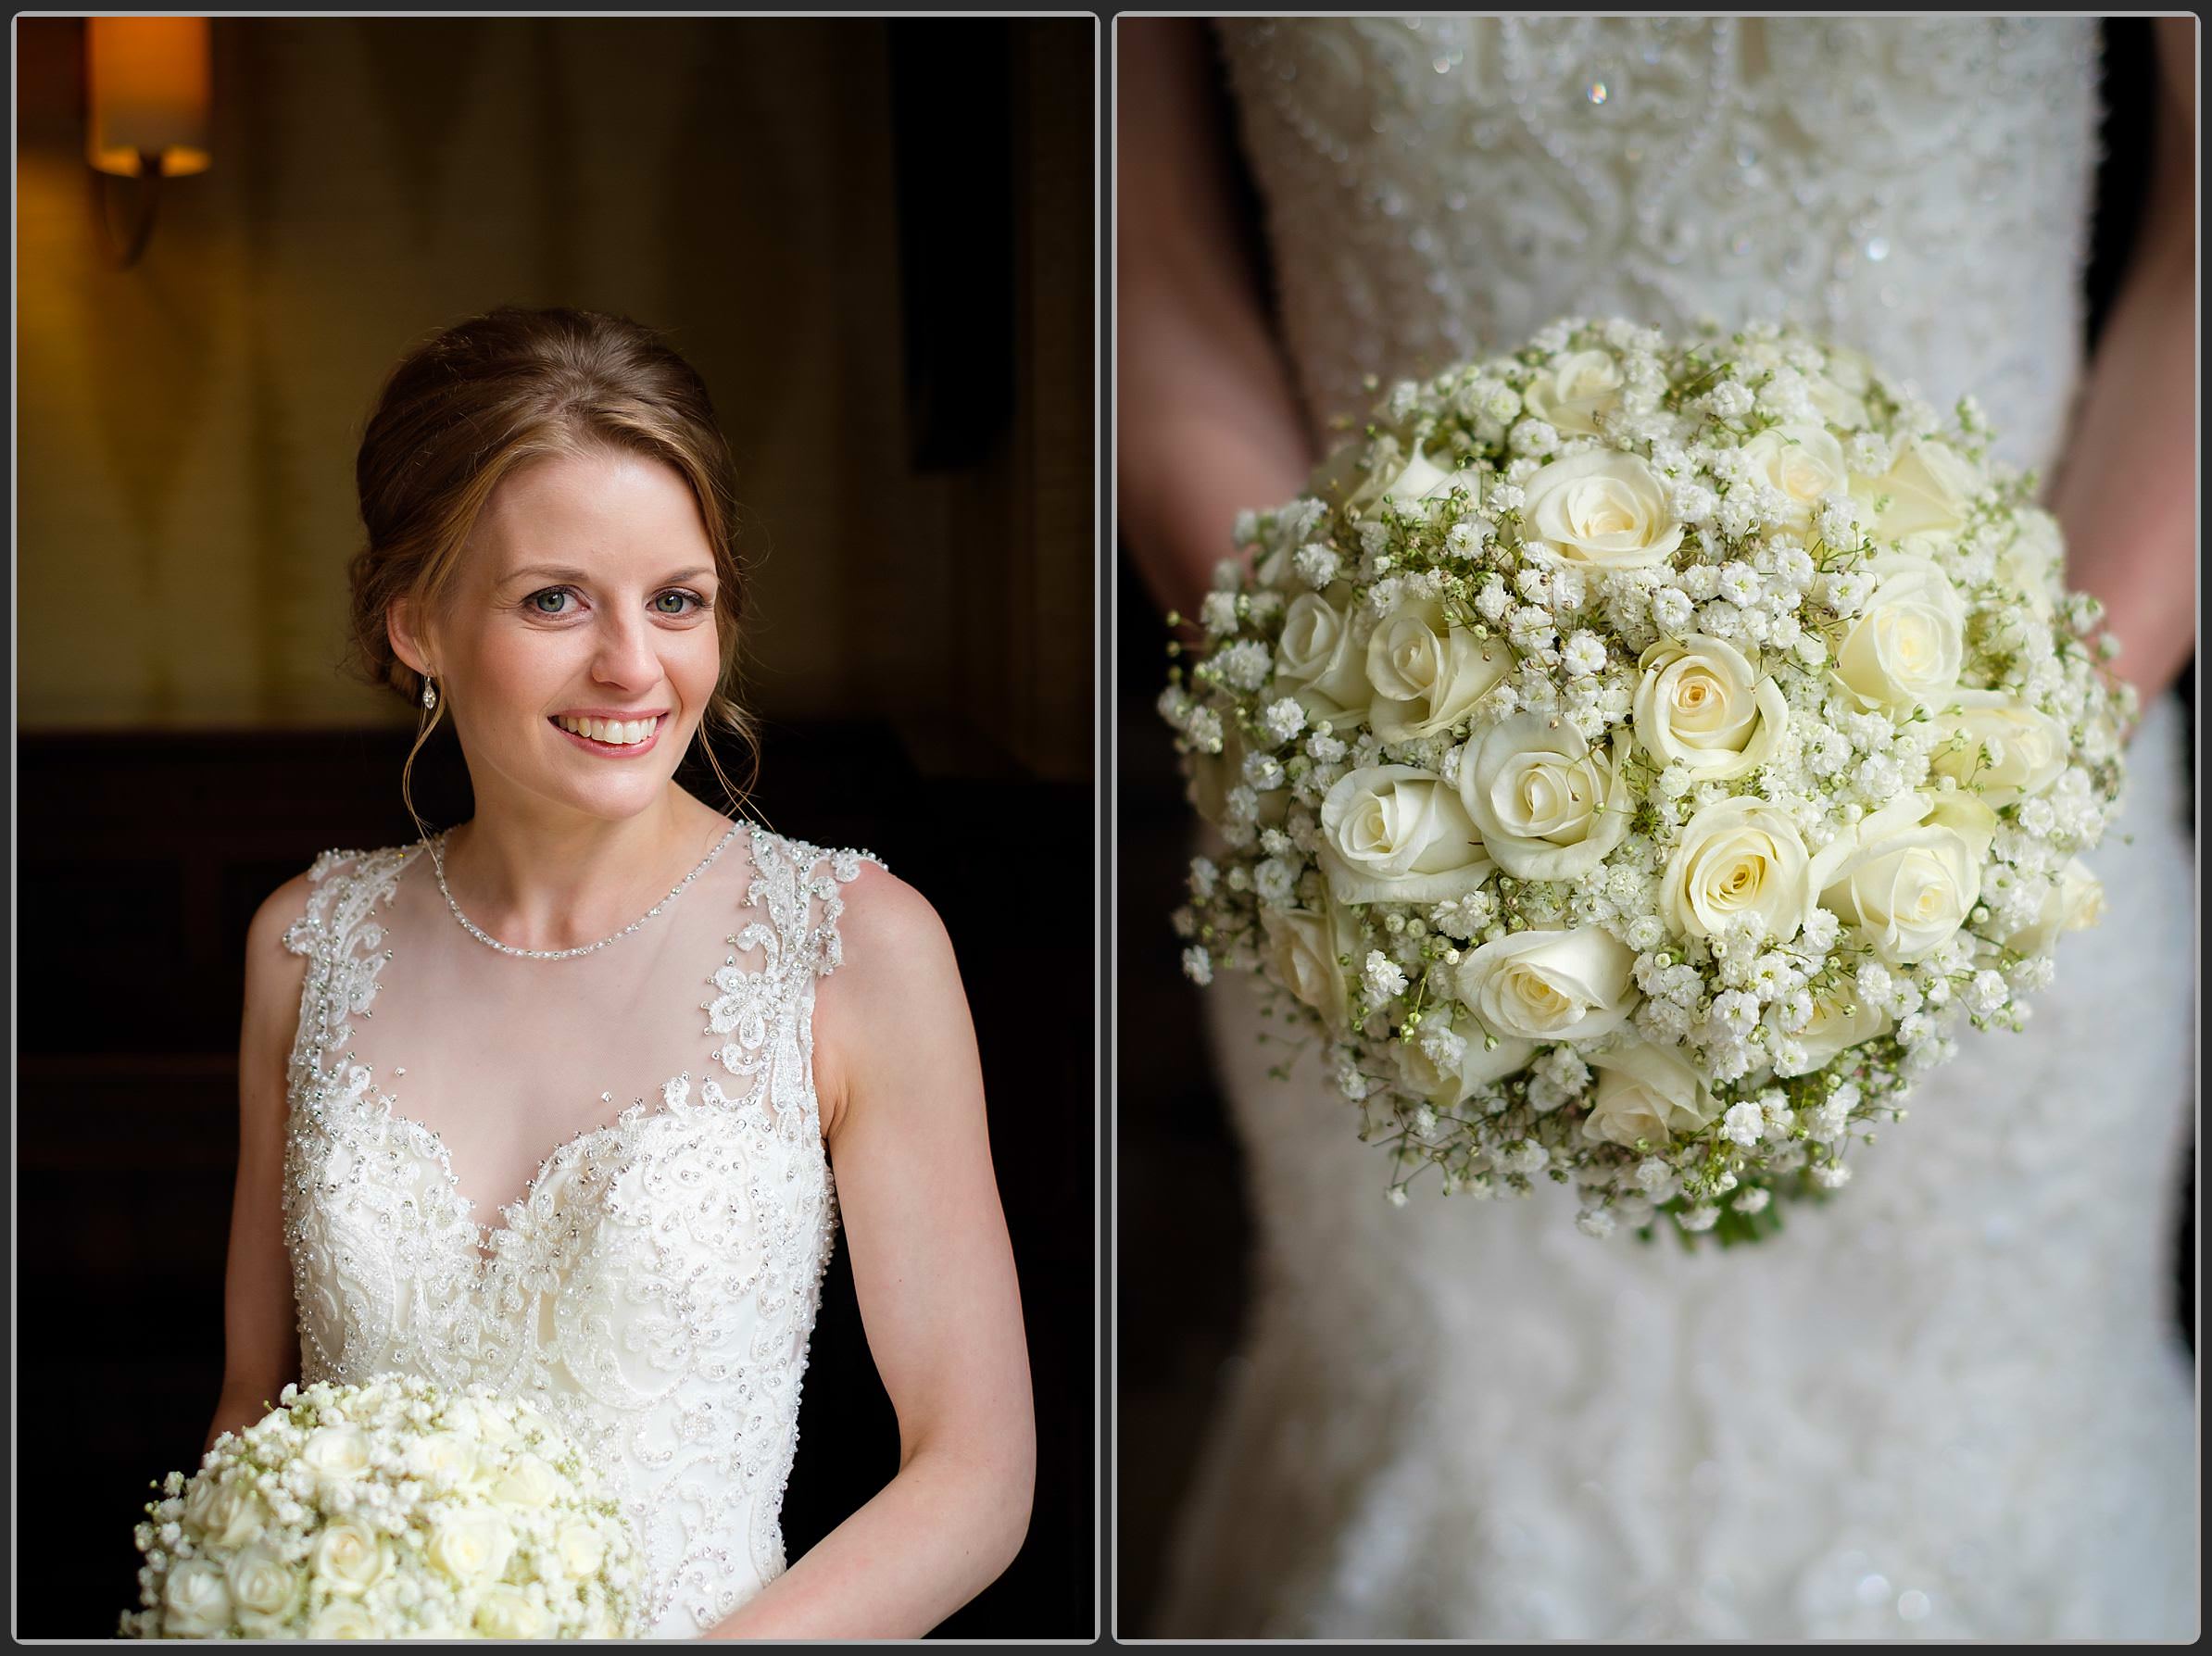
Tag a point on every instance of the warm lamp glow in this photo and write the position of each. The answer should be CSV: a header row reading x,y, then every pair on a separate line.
x,y
149,83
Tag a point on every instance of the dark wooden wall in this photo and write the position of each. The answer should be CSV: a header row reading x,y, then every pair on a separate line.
x,y
143,857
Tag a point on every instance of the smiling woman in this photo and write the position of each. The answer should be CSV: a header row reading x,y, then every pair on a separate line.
x,y
550,669
551,563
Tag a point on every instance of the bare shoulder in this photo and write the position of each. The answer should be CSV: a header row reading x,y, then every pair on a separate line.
x,y
287,903
895,990
887,926
275,977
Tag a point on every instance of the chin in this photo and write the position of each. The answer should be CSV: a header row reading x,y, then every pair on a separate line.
x,y
618,791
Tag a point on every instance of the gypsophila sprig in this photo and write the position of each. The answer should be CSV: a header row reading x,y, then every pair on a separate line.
x,y
1634,756
395,1508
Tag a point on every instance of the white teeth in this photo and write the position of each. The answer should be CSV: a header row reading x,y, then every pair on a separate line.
x,y
617,733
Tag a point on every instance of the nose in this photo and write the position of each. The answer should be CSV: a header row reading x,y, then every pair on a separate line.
x,y
625,658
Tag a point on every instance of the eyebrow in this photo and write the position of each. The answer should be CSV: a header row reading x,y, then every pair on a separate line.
x,y
562,573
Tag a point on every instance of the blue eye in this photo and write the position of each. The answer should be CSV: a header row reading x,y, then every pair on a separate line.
x,y
688,601
538,606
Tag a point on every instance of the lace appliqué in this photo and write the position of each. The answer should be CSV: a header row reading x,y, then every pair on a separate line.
x,y
1441,187
655,1286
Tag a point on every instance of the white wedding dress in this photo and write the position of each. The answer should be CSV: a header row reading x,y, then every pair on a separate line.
x,y
653,1284
1952,1402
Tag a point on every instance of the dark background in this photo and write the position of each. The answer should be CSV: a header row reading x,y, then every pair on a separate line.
x,y
146,843
1182,1225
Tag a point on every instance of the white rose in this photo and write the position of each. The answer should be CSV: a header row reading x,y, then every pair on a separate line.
x,y
1904,650
195,1601
1999,748
261,1585
442,1460
1909,875
1396,834
1479,1064
1307,949
349,1558
1738,857
1321,657
233,1515
1548,806
1571,392
473,1417
336,1453
1645,1092
1550,985
1840,392
1702,704
580,1550
1416,478
1929,485
198,1501
527,1483
1804,461
506,1612
1840,1019
471,1546
2034,564
1605,509
2076,902
1428,670
342,1618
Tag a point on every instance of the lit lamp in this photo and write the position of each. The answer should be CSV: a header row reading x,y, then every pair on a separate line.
x,y
148,107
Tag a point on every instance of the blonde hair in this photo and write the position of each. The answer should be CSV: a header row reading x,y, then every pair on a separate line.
x,y
486,397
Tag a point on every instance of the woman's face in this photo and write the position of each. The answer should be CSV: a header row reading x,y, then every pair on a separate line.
x,y
577,644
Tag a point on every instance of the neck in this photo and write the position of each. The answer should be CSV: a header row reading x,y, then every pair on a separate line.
x,y
556,881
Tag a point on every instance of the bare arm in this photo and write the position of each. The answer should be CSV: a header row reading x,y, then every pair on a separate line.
x,y
261,1333
902,1095
1207,421
2126,496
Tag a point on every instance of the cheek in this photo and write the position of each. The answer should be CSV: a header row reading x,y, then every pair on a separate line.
x,y
693,663
519,669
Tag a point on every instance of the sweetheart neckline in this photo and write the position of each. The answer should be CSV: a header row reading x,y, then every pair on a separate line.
x,y
633,1116
480,1235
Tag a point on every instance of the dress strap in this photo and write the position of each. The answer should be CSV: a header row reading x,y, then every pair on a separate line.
x,y
344,944
792,907
799,890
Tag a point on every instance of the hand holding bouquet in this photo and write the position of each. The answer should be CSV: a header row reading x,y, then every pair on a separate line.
x,y
1633,757
393,1509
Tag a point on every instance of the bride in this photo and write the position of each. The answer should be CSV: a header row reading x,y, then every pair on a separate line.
x,y
703,1018
1953,1405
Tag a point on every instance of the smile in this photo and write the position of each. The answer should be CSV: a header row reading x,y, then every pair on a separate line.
x,y
623,736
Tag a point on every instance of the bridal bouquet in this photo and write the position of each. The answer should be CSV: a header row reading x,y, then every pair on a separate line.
x,y
1633,758
389,1510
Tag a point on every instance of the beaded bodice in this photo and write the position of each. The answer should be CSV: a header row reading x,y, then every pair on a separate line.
x,y
1439,187
655,1286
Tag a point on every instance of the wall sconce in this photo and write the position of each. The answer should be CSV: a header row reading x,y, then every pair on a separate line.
x,y
146,116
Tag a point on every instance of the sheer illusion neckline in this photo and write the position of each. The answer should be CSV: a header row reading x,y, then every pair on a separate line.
x,y
488,1241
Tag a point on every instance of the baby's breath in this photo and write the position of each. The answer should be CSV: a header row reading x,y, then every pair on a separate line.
x,y
1570,748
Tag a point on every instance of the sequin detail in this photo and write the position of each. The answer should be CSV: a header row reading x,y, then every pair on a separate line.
x,y
656,1285
1439,187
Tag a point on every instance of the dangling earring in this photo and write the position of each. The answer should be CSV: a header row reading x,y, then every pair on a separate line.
x,y
430,694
